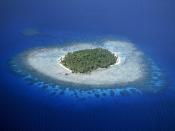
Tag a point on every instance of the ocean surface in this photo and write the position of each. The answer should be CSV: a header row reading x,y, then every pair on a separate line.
x,y
32,104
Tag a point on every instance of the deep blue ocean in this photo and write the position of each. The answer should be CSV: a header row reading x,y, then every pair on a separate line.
x,y
26,105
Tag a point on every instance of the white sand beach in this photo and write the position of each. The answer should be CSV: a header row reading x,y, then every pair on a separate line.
x,y
128,68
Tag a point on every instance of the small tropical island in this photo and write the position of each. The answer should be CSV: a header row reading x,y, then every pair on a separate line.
x,y
87,60
107,63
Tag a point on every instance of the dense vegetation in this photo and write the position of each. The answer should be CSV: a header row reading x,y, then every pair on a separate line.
x,y
87,60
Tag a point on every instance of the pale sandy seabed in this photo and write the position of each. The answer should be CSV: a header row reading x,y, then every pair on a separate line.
x,y
133,73
130,67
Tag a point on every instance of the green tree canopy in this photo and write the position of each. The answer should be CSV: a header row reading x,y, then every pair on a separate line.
x,y
87,60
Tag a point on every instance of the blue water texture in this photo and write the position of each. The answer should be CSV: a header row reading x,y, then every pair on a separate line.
x,y
30,102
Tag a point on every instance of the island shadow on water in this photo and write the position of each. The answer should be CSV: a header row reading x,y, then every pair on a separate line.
x,y
152,82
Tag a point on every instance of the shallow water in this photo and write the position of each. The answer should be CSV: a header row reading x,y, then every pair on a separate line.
x,y
34,104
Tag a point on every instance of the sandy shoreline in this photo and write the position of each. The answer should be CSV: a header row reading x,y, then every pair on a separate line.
x,y
47,62
59,62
